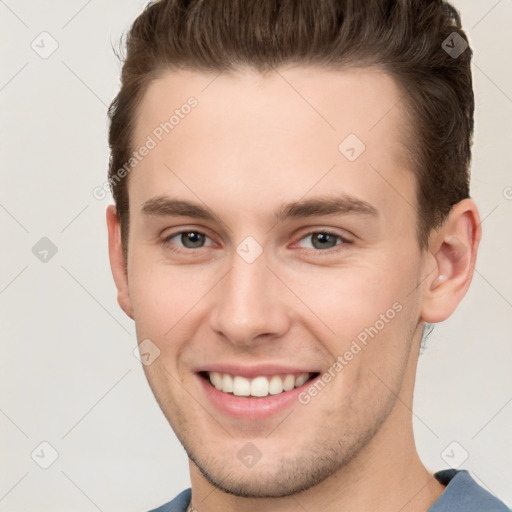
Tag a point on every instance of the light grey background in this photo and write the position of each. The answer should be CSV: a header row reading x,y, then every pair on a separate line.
x,y
67,372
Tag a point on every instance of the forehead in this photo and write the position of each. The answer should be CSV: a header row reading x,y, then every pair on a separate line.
x,y
354,100
277,133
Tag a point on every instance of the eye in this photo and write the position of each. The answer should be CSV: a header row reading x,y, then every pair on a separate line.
x,y
323,240
187,239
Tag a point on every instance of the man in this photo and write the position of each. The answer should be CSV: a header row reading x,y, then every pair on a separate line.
x,y
292,209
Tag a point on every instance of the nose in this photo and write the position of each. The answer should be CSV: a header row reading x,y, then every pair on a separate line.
x,y
248,305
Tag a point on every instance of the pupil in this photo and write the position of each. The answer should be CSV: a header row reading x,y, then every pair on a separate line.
x,y
192,239
323,238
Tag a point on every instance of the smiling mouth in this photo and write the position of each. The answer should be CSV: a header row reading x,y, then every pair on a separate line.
x,y
258,387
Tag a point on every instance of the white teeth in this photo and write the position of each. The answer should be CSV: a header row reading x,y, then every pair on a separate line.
x,y
289,382
301,379
227,383
241,386
275,385
216,380
259,386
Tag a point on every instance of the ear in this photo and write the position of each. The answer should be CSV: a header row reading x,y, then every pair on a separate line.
x,y
453,249
117,261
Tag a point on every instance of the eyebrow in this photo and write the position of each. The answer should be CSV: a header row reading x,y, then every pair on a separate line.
x,y
163,206
328,205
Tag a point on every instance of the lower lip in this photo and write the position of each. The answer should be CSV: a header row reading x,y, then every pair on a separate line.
x,y
251,408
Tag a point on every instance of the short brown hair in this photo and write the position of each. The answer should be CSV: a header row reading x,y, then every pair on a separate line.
x,y
409,39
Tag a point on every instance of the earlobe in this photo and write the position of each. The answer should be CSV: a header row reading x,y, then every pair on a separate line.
x,y
453,248
117,260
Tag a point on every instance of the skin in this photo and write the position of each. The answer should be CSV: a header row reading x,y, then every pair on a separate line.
x,y
251,145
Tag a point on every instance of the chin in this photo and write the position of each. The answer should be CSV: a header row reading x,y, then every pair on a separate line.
x,y
267,481
310,465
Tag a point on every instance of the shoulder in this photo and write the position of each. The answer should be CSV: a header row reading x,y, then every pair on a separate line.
x,y
178,504
463,494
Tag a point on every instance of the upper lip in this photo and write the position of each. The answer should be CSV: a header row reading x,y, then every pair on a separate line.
x,y
252,371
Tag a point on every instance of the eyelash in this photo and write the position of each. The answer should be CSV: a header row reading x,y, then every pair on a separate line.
x,y
335,249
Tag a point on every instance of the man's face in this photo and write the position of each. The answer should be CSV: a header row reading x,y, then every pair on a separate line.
x,y
259,289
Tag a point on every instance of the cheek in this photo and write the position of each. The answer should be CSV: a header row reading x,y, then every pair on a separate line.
x,y
364,314
349,300
159,292
168,303
155,300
